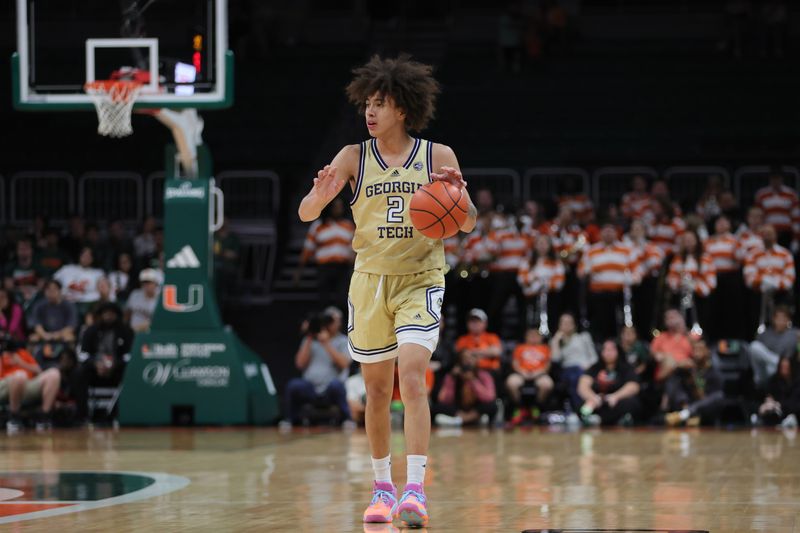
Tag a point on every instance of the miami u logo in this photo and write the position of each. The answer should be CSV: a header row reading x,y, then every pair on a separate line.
x,y
170,301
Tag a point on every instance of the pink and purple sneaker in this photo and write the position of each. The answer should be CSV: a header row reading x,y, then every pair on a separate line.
x,y
383,505
412,509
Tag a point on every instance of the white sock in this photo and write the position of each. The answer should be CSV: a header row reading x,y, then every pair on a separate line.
x,y
685,414
416,468
382,469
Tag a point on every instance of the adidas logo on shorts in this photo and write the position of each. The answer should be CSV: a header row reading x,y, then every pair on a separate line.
x,y
417,317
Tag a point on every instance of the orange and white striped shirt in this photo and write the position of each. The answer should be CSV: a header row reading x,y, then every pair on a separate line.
x,y
724,251
749,242
547,274
564,239
579,204
781,208
647,256
509,248
702,276
330,241
773,267
637,205
477,248
609,267
665,234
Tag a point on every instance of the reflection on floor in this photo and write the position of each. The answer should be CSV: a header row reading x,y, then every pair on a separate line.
x,y
318,480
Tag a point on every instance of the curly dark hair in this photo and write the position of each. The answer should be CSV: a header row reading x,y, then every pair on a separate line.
x,y
410,84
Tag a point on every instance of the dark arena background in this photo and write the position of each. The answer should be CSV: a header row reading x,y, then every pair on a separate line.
x,y
617,347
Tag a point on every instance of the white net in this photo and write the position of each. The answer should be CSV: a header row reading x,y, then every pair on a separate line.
x,y
113,100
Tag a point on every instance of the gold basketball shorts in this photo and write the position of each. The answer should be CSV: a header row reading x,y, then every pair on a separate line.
x,y
386,311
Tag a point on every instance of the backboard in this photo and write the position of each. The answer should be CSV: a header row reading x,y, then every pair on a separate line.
x,y
180,45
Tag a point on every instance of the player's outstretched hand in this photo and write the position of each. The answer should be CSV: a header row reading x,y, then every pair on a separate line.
x,y
326,185
450,175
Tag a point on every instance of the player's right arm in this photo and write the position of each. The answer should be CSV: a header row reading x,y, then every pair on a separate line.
x,y
329,182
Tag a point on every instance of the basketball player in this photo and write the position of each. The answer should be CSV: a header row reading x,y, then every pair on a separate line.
x,y
397,287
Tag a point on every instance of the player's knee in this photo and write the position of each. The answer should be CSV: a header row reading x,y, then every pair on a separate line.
x,y
379,394
413,386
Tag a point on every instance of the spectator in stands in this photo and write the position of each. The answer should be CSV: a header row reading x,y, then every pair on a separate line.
x,y
322,356
569,242
707,206
530,364
51,257
649,260
467,395
12,317
636,353
105,348
778,341
80,280
100,250
142,302
575,353
749,233
609,390
530,218
691,272
671,348
22,274
226,261
121,278
22,383
72,386
666,227
637,204
694,393
477,258
726,319
106,295
75,239
144,244
748,236
608,266
571,196
770,271
484,346
484,201
118,243
729,207
782,403
542,273
781,208
509,249
329,243
54,318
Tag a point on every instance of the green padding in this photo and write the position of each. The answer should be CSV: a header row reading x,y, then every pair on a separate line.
x,y
225,103
210,371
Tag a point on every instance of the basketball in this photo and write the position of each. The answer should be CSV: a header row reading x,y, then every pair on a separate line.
x,y
438,210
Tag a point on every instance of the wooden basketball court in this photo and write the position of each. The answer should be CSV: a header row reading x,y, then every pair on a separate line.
x,y
318,480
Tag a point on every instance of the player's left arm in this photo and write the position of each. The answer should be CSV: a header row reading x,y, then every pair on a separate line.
x,y
445,161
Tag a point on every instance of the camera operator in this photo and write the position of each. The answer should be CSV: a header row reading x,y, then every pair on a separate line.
x,y
322,357
22,382
467,395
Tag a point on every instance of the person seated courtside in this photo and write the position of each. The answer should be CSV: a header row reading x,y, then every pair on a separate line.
x,y
467,395
782,403
23,383
322,357
609,389
693,393
529,383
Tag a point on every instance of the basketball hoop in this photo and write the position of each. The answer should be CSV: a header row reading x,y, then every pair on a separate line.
x,y
113,100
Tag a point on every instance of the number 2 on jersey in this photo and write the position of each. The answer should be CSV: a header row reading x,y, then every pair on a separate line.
x,y
394,210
